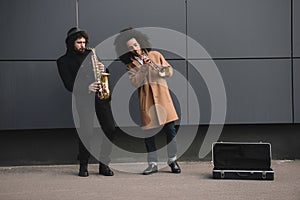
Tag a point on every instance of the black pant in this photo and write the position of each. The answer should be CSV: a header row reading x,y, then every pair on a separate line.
x,y
106,121
170,131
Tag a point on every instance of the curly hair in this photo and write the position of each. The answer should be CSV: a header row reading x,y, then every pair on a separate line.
x,y
72,38
124,36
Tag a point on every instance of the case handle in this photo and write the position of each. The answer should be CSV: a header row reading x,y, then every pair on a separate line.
x,y
244,174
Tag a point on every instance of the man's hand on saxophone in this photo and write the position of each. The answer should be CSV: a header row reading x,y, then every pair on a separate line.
x,y
101,67
94,87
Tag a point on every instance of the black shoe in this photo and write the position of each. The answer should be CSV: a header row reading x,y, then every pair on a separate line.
x,y
105,170
175,167
83,170
152,168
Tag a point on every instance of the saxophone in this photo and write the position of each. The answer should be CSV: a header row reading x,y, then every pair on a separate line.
x,y
100,77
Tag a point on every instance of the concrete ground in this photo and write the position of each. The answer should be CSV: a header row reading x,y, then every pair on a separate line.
x,y
60,182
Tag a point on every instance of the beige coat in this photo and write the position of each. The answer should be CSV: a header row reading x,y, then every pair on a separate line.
x,y
156,105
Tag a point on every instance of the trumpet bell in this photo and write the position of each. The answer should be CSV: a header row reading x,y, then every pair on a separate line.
x,y
163,72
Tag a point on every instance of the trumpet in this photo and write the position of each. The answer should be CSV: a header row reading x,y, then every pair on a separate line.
x,y
100,77
162,70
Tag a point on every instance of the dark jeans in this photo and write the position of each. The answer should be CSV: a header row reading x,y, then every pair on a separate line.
x,y
106,121
170,131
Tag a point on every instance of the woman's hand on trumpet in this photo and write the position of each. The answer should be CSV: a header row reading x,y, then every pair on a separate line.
x,y
146,59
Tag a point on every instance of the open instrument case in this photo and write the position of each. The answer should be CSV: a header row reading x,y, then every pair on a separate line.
x,y
236,160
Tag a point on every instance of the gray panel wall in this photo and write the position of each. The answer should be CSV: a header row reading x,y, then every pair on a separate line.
x,y
33,96
257,91
249,40
297,90
106,18
35,29
235,28
296,53
296,61
296,28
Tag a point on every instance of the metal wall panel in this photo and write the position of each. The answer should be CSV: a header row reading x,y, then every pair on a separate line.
x,y
35,29
33,96
296,27
104,19
297,90
258,91
240,28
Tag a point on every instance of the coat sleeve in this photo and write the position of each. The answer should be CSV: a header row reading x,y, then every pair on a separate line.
x,y
137,75
65,75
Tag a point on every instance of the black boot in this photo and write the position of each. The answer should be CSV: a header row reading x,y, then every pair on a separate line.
x,y
105,170
175,167
83,170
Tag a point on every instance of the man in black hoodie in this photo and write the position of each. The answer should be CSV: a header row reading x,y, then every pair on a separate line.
x,y
68,66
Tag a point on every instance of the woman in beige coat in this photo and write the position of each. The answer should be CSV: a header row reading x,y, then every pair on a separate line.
x,y
147,71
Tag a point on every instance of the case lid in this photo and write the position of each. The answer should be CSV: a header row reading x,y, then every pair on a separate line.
x,y
241,156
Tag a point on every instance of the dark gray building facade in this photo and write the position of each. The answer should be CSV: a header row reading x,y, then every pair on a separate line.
x,y
255,45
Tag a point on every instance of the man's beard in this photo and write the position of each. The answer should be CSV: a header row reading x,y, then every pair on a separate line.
x,y
80,51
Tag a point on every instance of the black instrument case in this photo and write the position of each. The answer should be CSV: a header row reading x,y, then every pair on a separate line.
x,y
237,160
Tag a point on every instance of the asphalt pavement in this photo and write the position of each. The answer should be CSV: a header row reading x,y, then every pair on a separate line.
x,y
60,182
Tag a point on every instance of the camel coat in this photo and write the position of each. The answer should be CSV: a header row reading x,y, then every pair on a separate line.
x,y
156,105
